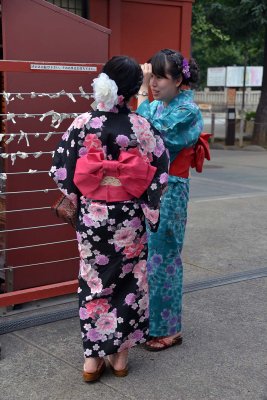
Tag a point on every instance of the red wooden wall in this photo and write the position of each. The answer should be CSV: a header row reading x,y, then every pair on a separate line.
x,y
142,27
36,30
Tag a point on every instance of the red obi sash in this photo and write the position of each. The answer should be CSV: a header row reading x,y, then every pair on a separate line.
x,y
191,157
116,180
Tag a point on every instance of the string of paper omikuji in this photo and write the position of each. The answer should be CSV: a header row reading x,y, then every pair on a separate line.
x,y
8,97
56,120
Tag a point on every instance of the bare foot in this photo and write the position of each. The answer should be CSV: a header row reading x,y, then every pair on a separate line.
x,y
119,361
91,364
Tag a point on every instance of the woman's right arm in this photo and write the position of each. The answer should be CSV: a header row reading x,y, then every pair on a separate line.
x,y
143,91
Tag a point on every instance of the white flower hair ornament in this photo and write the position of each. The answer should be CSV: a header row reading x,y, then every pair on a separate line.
x,y
105,92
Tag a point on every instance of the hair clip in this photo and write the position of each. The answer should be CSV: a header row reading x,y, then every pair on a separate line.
x,y
186,70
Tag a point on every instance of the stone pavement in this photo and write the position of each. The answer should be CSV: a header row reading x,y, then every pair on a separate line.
x,y
224,353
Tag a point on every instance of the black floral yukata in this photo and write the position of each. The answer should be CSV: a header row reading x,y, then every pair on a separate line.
x,y
113,289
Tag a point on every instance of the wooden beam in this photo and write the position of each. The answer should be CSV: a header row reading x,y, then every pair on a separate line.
x,y
38,293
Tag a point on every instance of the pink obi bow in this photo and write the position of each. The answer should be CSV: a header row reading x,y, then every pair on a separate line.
x,y
116,180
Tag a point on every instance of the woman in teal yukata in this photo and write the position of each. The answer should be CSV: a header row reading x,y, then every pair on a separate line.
x,y
174,113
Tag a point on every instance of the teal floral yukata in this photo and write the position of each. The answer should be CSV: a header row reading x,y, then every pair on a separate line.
x,y
181,125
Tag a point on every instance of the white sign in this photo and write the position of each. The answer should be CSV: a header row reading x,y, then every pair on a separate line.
x,y
234,76
254,76
52,67
216,76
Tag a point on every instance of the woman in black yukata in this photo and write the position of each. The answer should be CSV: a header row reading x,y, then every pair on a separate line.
x,y
113,164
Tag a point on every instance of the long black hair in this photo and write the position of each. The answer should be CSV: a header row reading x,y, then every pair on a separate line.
x,y
168,61
127,74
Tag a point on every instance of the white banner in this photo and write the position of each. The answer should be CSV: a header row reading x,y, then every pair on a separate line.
x,y
52,67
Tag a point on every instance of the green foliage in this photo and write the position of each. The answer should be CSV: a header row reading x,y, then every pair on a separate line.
x,y
201,26
233,32
228,32
250,116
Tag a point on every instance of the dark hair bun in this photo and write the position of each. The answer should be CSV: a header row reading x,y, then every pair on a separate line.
x,y
127,74
194,71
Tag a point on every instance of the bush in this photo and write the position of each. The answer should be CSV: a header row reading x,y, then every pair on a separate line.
x,y
250,115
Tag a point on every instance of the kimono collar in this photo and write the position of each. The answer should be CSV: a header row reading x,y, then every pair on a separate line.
x,y
118,109
182,98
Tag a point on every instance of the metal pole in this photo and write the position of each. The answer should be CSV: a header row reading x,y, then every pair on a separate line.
x,y
212,127
242,112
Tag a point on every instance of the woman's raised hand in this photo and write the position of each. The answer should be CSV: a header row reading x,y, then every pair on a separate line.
x,y
147,71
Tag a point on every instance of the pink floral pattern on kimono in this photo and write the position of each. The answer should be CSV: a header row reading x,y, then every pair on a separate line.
x,y
112,239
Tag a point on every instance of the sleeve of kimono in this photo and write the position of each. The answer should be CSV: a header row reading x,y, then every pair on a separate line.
x,y
182,128
151,204
64,162
147,109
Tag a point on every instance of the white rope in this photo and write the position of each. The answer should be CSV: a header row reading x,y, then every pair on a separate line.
x,y
45,93
8,96
32,227
25,209
5,155
41,263
26,115
36,134
37,245
32,171
28,191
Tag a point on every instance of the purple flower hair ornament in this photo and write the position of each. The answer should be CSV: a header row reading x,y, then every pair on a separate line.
x,y
186,69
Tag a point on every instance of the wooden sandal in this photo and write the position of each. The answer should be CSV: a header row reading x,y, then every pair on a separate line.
x,y
119,373
164,344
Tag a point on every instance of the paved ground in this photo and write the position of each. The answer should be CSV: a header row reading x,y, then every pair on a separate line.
x,y
224,354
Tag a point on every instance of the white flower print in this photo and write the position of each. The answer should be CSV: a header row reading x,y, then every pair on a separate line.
x,y
87,352
80,121
85,250
143,303
91,277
